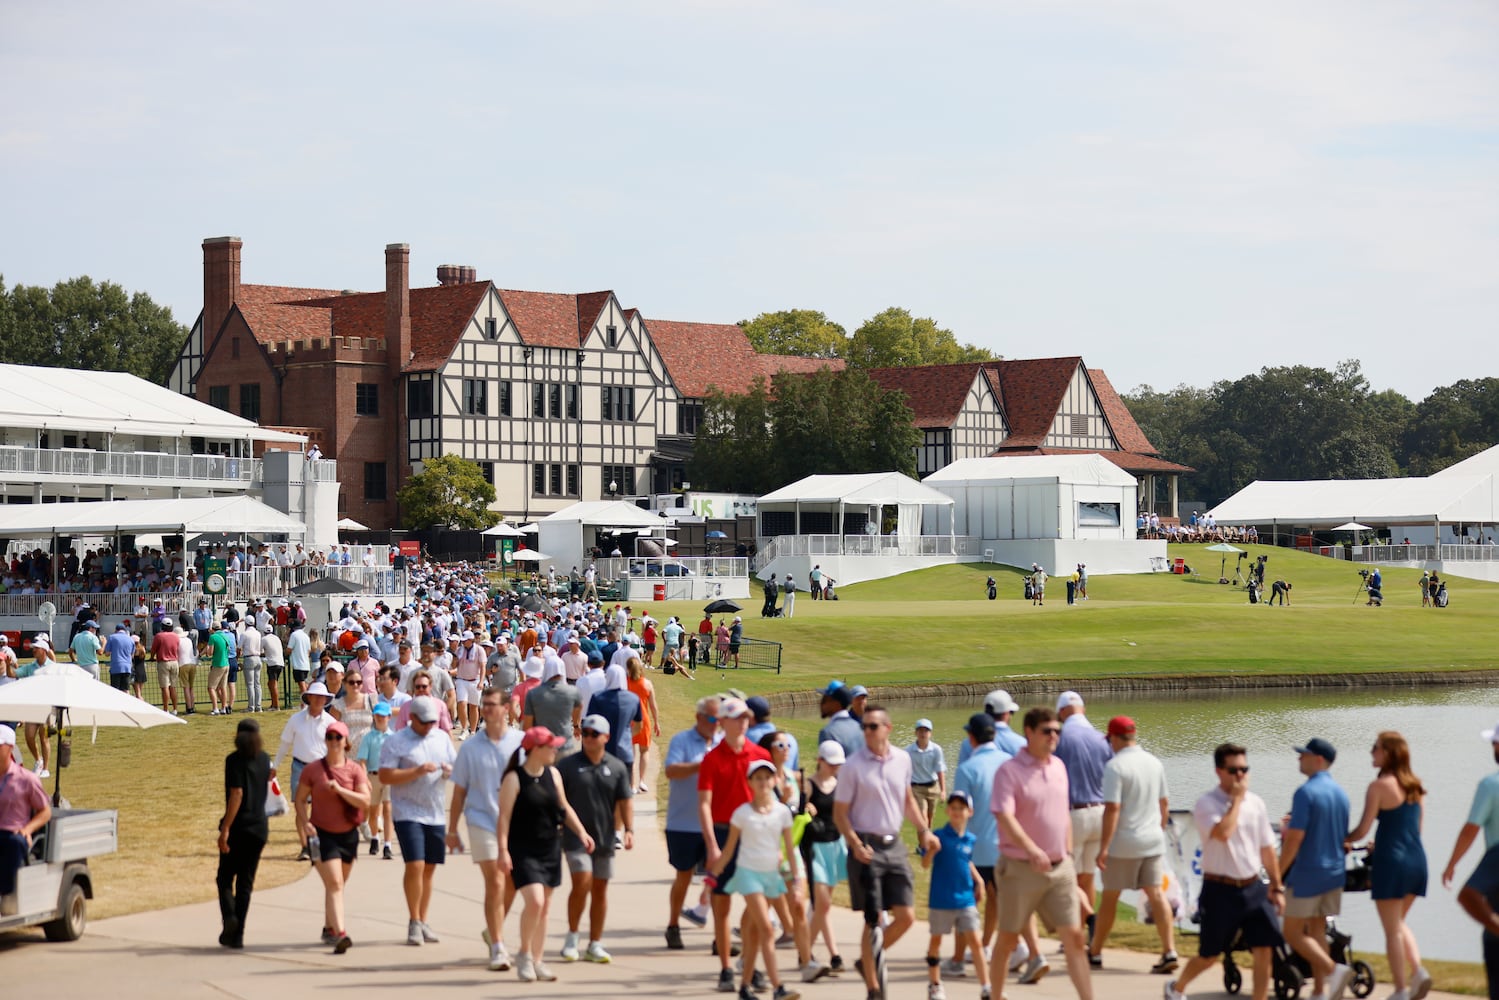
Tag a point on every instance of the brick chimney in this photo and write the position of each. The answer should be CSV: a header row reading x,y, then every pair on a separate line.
x,y
398,305
470,275
220,280
449,274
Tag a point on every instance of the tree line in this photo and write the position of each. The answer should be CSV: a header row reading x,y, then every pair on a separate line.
x,y
87,326
890,339
1302,422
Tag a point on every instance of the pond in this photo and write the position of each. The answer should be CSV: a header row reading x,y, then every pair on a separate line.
x,y
1442,726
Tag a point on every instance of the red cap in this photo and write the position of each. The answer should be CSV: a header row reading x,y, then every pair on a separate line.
x,y
1121,725
540,736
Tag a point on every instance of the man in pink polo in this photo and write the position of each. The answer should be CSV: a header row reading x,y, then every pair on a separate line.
x,y
1035,873
23,810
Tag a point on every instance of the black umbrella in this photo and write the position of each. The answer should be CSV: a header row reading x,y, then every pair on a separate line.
x,y
721,607
327,585
536,603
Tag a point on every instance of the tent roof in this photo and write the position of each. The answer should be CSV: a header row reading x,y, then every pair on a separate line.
x,y
116,403
1084,468
1380,502
867,488
234,514
599,513
1485,463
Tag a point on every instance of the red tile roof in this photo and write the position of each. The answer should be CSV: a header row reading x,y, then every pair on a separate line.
x,y
1126,460
700,356
590,304
272,314
544,319
935,393
1032,392
1126,431
439,315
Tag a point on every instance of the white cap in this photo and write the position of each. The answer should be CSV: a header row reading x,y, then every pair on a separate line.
x,y
998,701
1491,735
1069,699
7,736
831,751
923,723
597,723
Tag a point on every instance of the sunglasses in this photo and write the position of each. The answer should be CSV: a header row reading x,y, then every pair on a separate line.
x,y
354,680
590,733
1237,770
421,687
331,737
1051,730
870,727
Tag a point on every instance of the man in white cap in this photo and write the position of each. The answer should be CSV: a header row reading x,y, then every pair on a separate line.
x,y
416,763
999,706
250,651
274,655
574,660
1084,751
1483,815
304,737
468,672
503,666
597,785
23,811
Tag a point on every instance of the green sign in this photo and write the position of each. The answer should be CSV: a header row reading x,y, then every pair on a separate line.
x,y
215,576
507,551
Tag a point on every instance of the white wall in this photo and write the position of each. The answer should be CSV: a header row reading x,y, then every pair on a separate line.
x,y
1032,509
847,569
1061,556
563,541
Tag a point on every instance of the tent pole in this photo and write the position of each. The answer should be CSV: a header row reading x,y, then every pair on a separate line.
x,y
57,763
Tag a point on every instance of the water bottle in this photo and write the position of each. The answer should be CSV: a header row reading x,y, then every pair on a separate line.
x,y
314,851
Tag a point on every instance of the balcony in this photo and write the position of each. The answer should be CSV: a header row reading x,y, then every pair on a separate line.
x,y
81,466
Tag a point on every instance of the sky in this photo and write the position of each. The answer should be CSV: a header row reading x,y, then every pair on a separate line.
x,y
1178,191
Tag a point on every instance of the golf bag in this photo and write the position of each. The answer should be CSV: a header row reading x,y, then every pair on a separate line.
x,y
1441,599
769,609
1030,589
1253,590
993,589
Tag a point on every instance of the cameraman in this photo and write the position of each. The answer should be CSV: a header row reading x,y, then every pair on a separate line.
x,y
1374,583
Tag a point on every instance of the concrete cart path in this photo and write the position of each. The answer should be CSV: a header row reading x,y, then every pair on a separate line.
x,y
174,953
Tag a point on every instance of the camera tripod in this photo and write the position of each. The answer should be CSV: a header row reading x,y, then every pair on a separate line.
x,y
1239,580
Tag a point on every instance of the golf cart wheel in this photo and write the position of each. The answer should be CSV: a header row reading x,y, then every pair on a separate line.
x,y
74,910
1363,980
1288,983
1233,979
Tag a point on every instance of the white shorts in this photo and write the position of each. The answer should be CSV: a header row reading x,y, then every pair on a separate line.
x,y
482,843
1087,838
469,692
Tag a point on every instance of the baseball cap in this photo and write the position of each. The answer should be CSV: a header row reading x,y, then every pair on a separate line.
x,y
381,708
88,624
597,723
832,686
316,688
467,634
759,706
362,644
42,640
7,736
1069,699
998,702
335,665
595,657
339,728
575,639
831,751
424,709
732,708
1491,735
858,691
540,736
1121,725
121,625
958,795
759,765
1320,747
923,724
981,725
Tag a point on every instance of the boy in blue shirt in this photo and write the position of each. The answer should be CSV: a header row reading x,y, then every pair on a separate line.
x,y
955,893
368,754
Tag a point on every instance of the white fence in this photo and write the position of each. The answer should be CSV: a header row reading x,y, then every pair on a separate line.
x,y
637,567
1420,553
864,545
117,466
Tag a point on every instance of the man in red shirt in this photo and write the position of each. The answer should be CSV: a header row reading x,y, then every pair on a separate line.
x,y
722,787
166,647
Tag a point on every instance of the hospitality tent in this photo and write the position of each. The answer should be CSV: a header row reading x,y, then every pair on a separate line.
x,y
850,505
1434,501
1081,495
571,531
232,515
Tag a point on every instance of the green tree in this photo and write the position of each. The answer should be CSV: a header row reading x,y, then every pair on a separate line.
x,y
449,492
1454,422
733,450
894,339
78,324
807,333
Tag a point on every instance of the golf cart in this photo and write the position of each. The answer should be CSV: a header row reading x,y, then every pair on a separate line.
x,y
54,885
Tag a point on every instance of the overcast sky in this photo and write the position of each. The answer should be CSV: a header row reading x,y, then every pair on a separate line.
x,y
1177,191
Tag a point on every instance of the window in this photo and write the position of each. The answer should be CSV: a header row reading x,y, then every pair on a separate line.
x,y
556,479
506,393
538,400
475,396
539,479
689,415
554,400
419,398
218,395
492,328
934,452
611,336
619,404
486,469
249,402
367,399
374,482
623,478
572,480
1098,515
572,408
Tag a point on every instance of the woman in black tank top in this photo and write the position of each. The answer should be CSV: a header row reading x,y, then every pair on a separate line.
x,y
533,810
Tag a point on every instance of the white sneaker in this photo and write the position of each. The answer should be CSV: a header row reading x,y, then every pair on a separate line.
x,y
1337,981
814,970
499,958
44,773
1034,970
1170,992
934,991
952,968
1019,956
414,932
570,947
1420,984
524,970
596,953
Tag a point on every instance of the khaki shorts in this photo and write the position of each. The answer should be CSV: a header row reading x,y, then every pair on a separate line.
x,y
1324,904
188,672
167,673
218,677
483,844
1024,891
946,921
1133,873
926,795
1087,838
379,792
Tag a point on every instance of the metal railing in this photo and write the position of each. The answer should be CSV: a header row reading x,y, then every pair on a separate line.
x,y
1420,553
641,566
864,545
117,466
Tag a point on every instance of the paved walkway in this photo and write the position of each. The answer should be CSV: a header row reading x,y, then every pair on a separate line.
x,y
173,953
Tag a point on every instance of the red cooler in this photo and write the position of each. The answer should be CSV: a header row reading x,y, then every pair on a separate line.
x,y
658,592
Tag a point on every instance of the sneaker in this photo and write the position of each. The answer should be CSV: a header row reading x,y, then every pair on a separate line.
x,y
758,982
783,993
428,934
342,945
570,947
696,915
744,993
1338,980
1170,992
733,949
836,965
953,968
644,788
596,953
414,932
934,991
1095,961
544,974
499,958
1420,984
1168,963
726,981
1034,970
985,992
785,940
374,846
364,831
674,938
328,936
1019,957
44,773
525,969
814,970
385,853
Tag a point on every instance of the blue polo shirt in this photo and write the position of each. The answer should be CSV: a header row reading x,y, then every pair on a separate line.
x,y
1485,810
952,881
1084,751
976,777
1005,738
121,649
687,747
1320,809
844,730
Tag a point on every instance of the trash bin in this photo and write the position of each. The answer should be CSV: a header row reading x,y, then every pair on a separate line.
x,y
1179,567
658,592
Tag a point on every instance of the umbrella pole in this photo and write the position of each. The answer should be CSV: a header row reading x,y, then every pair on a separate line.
x,y
57,764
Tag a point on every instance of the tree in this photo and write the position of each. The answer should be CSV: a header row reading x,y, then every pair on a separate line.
x,y
449,492
78,324
733,450
894,339
806,333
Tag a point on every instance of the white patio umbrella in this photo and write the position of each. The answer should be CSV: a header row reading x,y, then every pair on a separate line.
x,y
503,530
349,524
1353,526
531,555
60,688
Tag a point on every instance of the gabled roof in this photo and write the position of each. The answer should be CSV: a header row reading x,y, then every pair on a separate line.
x,y
278,312
703,355
548,319
858,488
935,393
1032,392
1129,461
590,304
1126,431
439,315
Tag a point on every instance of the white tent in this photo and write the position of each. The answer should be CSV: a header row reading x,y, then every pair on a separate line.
x,y
847,504
1442,499
229,514
1039,496
570,531
116,403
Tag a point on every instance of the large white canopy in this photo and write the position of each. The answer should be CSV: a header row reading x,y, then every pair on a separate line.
x,y
602,513
1081,469
1449,499
229,514
116,403
867,488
